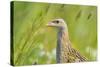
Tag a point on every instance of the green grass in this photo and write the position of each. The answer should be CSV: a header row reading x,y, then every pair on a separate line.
x,y
34,42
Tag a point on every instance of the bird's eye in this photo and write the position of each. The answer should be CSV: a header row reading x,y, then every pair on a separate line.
x,y
57,22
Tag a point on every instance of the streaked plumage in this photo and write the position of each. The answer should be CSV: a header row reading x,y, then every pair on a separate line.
x,y
64,51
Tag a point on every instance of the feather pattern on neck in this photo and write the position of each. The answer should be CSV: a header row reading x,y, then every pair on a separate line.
x,y
62,42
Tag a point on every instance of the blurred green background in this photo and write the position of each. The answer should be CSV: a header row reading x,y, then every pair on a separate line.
x,y
34,42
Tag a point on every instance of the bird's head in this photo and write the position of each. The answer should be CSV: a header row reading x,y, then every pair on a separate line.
x,y
58,23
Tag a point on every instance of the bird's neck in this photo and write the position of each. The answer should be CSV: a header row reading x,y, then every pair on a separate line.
x,y
62,43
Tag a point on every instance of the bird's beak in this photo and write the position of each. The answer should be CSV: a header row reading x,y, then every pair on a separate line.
x,y
49,24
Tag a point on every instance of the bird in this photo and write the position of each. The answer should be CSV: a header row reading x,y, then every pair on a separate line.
x,y
65,53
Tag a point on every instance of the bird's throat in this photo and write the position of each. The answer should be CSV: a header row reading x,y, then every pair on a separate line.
x,y
62,39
